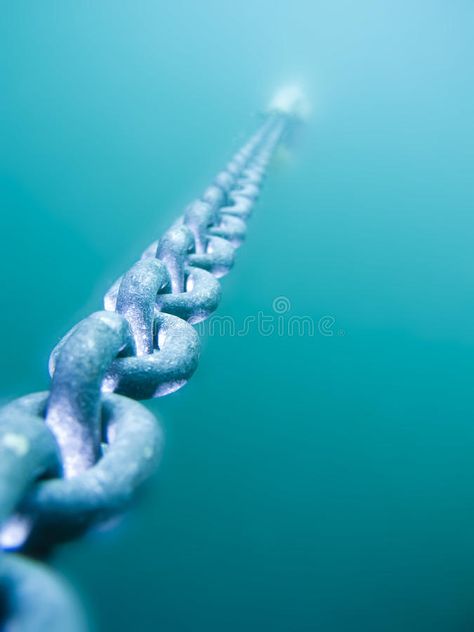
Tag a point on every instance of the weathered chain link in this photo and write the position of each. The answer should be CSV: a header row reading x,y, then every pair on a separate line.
x,y
73,457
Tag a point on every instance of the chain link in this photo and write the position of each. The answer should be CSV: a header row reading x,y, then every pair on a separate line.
x,y
74,457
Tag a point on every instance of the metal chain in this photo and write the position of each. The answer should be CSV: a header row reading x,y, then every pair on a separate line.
x,y
74,457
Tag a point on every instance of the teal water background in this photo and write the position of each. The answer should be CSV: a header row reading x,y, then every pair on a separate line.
x,y
312,483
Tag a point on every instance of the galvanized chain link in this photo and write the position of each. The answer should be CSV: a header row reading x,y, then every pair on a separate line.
x,y
73,457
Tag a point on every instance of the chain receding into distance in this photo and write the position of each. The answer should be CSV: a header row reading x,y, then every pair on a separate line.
x,y
73,457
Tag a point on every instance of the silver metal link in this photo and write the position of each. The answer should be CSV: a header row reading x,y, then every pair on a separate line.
x,y
78,365
199,217
59,508
215,196
201,297
231,228
240,206
136,300
164,371
35,599
173,249
28,452
218,257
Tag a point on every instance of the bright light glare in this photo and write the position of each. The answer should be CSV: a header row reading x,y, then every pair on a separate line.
x,y
291,100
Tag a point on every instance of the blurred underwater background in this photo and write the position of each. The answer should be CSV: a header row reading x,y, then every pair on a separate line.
x,y
318,482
